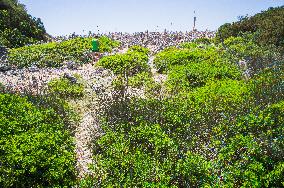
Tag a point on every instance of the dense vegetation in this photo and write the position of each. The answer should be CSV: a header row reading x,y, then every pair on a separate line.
x,y
54,54
67,87
216,121
35,147
17,27
130,69
268,27
212,125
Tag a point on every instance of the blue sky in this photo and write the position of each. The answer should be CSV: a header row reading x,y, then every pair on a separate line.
x,y
62,17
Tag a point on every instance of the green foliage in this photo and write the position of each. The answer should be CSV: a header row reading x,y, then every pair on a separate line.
x,y
203,41
141,79
124,163
17,28
140,49
54,54
51,54
65,88
106,44
268,26
190,53
268,85
127,64
245,48
153,142
192,75
194,169
130,69
253,154
35,150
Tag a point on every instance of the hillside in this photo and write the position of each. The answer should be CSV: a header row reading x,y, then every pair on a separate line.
x,y
17,27
149,109
268,26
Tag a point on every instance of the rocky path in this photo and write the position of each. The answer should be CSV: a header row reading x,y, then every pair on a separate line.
x,y
83,136
88,128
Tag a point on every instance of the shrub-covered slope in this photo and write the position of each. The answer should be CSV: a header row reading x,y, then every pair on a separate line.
x,y
215,123
17,27
54,54
267,25
35,148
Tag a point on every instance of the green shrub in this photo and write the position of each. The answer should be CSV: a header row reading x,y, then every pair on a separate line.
x,y
35,150
194,170
192,75
267,26
142,155
203,41
245,48
141,79
162,142
127,64
140,49
54,54
65,88
17,27
106,44
253,153
128,69
189,45
191,53
268,85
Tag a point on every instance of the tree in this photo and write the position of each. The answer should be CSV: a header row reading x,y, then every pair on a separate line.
x,y
267,25
17,27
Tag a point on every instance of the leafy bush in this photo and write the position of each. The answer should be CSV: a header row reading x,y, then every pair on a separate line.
x,y
35,150
253,153
140,49
128,69
17,28
267,25
245,48
55,53
141,79
268,85
158,142
192,75
127,64
203,41
124,163
66,88
106,44
191,53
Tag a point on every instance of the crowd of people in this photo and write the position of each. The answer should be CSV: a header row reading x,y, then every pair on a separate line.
x,y
156,41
